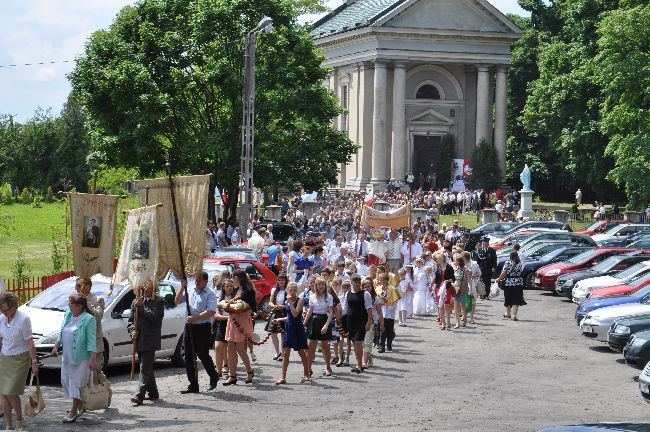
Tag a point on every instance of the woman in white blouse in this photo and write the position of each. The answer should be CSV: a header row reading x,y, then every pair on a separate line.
x,y
16,356
319,316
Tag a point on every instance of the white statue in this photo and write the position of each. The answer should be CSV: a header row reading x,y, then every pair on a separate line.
x,y
525,178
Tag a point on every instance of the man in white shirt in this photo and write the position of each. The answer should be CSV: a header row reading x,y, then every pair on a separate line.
x,y
256,243
360,247
362,268
377,250
453,234
411,250
394,253
269,231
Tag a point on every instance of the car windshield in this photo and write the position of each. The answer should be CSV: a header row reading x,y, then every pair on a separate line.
x,y
233,254
593,226
56,297
583,257
639,279
641,244
282,232
631,271
544,250
607,265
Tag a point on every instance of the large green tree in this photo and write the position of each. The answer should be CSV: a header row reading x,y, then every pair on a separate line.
x,y
624,74
168,74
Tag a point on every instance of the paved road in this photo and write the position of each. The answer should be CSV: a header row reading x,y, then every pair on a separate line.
x,y
498,375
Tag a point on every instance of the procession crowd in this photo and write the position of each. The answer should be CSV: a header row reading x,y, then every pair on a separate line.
x,y
342,291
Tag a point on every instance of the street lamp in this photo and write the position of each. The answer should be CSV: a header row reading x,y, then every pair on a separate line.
x,y
248,126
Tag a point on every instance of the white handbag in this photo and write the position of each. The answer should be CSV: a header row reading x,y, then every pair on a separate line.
x,y
34,403
97,394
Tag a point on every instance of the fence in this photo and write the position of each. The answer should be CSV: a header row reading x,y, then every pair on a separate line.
x,y
29,288
579,221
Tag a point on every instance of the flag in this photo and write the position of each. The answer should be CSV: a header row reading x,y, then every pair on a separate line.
x,y
217,196
191,194
94,223
399,218
139,257
370,195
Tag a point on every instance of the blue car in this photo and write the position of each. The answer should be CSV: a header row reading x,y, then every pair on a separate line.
x,y
626,241
640,296
560,254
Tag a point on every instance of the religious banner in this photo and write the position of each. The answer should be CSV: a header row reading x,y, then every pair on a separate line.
x,y
139,257
94,223
398,218
191,195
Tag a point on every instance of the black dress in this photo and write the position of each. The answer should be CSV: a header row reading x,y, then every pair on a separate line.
x,y
357,316
513,285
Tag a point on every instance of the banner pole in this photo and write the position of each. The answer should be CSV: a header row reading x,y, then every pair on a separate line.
x,y
188,327
136,318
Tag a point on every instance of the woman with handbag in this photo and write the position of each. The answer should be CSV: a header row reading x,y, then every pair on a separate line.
x,y
219,325
320,315
276,305
239,329
444,278
512,283
78,339
15,354
461,290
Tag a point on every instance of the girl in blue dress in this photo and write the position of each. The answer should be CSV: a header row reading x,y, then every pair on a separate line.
x,y
295,337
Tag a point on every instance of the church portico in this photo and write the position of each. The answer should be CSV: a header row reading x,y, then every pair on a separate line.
x,y
404,88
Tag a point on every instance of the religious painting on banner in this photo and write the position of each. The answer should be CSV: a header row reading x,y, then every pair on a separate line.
x,y
94,223
139,257
192,193
461,173
398,218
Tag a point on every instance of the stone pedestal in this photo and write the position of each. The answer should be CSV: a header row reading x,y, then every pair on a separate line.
x,y
526,209
561,216
418,213
311,208
381,205
273,212
633,217
489,216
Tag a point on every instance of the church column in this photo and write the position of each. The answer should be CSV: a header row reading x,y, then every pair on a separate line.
x,y
398,156
501,118
379,175
483,111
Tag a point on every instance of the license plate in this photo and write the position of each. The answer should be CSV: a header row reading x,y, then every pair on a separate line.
x,y
644,388
587,329
537,281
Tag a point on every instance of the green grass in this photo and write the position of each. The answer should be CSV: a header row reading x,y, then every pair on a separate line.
x,y
465,220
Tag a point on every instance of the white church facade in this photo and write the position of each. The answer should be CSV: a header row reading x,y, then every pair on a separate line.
x,y
409,72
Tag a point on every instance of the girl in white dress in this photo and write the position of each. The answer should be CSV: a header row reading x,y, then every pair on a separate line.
x,y
403,287
421,287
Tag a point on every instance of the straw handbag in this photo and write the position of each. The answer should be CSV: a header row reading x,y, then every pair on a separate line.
x,y
34,403
97,394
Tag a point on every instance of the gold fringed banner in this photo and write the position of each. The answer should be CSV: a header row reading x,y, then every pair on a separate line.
x,y
192,206
399,218
94,223
139,257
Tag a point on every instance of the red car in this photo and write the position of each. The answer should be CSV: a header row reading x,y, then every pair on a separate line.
x,y
262,277
546,276
600,227
632,286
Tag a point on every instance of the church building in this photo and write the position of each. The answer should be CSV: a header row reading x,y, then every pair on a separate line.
x,y
409,72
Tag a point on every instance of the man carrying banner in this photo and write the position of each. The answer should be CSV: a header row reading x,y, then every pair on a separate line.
x,y
147,333
203,305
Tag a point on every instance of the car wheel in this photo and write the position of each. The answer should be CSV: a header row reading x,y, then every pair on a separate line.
x,y
528,280
178,359
264,306
105,357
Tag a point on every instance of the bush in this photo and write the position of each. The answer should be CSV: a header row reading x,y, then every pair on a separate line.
x,y
49,195
25,197
58,257
6,197
21,268
111,180
37,202
486,173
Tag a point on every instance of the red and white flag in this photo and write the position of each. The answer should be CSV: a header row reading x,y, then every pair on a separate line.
x,y
370,195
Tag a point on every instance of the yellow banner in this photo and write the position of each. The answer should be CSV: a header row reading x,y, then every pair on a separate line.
x,y
398,218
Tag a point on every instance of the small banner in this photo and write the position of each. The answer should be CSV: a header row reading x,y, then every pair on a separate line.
x,y
398,218
139,258
94,223
192,194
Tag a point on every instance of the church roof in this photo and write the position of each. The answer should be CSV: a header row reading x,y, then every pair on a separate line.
x,y
354,14
350,16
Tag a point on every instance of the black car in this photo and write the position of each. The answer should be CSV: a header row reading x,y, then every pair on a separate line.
x,y
565,283
282,231
622,329
531,225
626,241
535,252
560,254
480,231
637,350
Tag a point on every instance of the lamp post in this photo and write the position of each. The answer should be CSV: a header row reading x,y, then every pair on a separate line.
x,y
246,185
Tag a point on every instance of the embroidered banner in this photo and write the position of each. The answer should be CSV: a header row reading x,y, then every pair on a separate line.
x,y
139,257
192,194
398,218
94,223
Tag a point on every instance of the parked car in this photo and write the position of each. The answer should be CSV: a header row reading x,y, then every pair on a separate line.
x,y
637,350
584,287
533,251
554,235
560,254
600,226
531,225
626,241
631,286
597,323
46,312
620,232
546,276
644,383
262,277
481,231
282,231
601,427
591,304
564,284
512,239
641,244
623,328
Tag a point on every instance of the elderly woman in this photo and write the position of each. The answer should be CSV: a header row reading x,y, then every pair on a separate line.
x,y
513,286
462,277
17,350
78,339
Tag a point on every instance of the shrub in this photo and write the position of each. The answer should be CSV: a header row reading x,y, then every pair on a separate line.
x,y
49,195
21,268
6,197
58,257
486,173
37,202
25,197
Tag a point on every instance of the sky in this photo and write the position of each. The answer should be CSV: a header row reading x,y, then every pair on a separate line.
x,y
47,31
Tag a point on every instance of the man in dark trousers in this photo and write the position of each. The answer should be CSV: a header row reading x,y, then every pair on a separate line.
x,y
150,310
486,257
203,305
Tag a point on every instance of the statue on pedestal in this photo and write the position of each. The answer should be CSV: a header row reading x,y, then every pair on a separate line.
x,y
525,178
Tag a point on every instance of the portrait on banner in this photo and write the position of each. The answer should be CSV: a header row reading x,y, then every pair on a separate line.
x,y
92,235
140,249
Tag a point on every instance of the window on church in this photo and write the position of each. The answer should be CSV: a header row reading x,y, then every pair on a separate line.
x,y
344,105
427,91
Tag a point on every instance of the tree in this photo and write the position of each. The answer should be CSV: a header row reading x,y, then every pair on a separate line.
x,y
72,147
447,156
622,71
169,74
485,166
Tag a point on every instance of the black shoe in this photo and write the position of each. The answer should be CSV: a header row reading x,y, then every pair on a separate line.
x,y
152,397
212,386
190,390
137,400
390,349
381,350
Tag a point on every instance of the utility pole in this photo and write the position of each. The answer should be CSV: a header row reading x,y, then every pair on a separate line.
x,y
246,185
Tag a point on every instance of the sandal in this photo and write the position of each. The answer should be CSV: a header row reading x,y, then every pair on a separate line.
x,y
280,381
232,380
515,318
327,373
339,364
472,322
249,377
356,370
72,419
506,316
304,380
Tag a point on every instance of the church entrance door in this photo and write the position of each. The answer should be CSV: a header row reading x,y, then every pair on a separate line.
x,y
426,161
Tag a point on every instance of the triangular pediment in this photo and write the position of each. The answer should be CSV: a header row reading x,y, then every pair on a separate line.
x,y
459,15
431,116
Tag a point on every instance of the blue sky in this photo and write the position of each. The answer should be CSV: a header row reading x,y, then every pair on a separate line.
x,y
56,30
